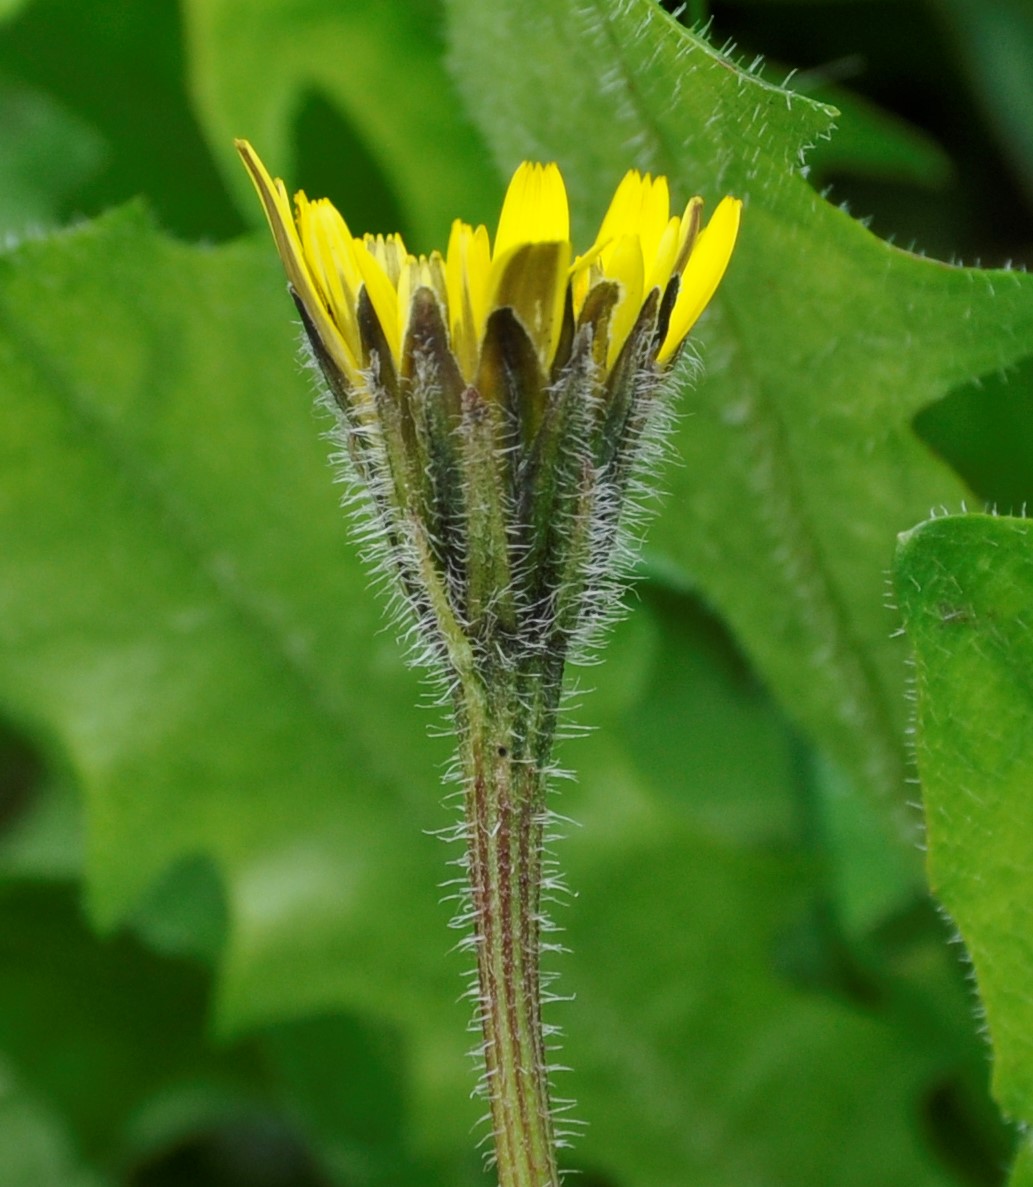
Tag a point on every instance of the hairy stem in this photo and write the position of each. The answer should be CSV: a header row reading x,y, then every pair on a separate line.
x,y
502,753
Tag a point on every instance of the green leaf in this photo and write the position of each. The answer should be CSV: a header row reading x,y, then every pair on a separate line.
x,y
253,69
105,1055
697,1058
73,1008
985,430
799,463
1022,1171
206,634
965,587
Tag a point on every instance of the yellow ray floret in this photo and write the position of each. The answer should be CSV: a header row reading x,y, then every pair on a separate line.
x,y
640,248
702,273
534,210
296,262
467,269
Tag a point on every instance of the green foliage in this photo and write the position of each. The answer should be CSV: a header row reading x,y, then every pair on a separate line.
x,y
966,588
211,740
48,152
114,71
773,482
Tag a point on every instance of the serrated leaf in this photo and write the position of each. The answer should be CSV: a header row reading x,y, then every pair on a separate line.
x,y
799,464
965,587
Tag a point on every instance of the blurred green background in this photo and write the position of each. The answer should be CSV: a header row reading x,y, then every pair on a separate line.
x,y
223,957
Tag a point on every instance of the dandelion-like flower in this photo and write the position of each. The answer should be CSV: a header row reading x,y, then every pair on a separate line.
x,y
497,402
496,398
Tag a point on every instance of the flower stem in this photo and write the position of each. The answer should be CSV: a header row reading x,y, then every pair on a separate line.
x,y
503,751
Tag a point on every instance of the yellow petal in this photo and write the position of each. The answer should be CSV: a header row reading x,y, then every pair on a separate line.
x,y
621,216
653,216
389,252
344,278
382,294
467,269
418,273
703,272
660,268
640,210
535,209
288,243
627,269
333,270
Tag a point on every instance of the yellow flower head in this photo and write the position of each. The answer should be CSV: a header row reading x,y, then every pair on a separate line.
x,y
641,249
501,404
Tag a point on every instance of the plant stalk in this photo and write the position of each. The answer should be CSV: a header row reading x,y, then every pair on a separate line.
x,y
503,756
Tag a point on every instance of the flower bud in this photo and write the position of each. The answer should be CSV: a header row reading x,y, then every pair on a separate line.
x,y
496,401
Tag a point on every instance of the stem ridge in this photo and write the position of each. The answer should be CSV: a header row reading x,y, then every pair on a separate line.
x,y
505,815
